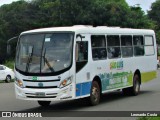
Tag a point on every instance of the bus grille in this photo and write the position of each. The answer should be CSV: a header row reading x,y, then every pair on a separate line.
x,y
41,97
48,95
44,87
41,84
41,80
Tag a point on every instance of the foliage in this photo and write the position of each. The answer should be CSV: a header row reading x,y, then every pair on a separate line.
x,y
10,64
149,118
25,15
155,16
138,19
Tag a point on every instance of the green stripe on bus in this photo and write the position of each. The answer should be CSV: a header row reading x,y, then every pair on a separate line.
x,y
147,76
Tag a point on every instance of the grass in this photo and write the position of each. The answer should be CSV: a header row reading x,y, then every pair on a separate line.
x,y
149,118
2,81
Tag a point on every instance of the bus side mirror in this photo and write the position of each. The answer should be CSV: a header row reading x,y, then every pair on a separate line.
x,y
79,37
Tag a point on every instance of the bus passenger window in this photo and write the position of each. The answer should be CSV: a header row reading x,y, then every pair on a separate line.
x,y
81,55
149,45
82,51
126,46
113,43
113,52
99,51
138,45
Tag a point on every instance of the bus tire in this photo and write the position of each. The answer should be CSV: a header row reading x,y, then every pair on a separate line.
x,y
136,85
44,103
135,89
95,93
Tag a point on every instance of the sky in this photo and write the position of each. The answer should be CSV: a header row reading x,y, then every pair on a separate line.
x,y
144,4
6,1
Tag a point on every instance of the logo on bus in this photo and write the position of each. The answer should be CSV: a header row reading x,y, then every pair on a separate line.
x,y
34,78
40,84
116,65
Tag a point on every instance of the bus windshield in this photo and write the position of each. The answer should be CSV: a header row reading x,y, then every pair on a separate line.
x,y
44,53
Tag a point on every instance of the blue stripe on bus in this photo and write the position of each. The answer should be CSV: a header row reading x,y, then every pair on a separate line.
x,y
83,89
78,90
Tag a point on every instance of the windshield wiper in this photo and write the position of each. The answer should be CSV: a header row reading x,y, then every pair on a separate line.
x,y
29,60
46,61
49,65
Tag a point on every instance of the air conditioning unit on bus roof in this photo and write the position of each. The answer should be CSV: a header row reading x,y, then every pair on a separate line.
x,y
82,26
107,27
95,26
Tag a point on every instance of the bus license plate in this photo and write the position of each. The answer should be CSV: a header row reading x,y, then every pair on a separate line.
x,y
40,94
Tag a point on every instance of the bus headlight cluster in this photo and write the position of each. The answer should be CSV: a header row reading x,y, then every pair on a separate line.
x,y
19,83
66,82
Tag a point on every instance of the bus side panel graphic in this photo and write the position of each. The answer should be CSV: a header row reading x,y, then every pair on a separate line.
x,y
116,80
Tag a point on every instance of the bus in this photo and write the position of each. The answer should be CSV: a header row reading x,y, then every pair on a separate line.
x,y
66,63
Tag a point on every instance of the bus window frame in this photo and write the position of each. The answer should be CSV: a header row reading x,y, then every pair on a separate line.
x,y
99,47
153,43
120,56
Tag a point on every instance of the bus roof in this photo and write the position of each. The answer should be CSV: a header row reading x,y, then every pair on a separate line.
x,y
82,29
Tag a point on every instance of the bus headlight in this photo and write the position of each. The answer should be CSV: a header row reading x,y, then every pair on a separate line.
x,y
19,82
66,82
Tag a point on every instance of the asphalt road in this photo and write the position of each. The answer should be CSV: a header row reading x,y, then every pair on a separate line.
x,y
147,100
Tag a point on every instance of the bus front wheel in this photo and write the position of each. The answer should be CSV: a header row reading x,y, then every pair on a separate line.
x,y
44,103
95,93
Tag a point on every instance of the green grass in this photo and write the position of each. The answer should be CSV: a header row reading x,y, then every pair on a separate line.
x,y
149,118
2,81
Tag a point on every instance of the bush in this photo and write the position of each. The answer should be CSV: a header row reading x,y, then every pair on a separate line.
x,y
149,118
10,64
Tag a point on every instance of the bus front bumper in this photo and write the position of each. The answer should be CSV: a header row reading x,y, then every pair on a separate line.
x,y
45,94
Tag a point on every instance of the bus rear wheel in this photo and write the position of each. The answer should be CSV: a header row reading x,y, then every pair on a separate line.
x,y
44,103
135,89
95,93
136,85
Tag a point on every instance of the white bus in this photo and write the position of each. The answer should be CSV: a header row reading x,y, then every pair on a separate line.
x,y
64,63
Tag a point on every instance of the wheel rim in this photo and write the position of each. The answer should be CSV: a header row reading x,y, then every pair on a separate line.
x,y
137,86
8,78
95,94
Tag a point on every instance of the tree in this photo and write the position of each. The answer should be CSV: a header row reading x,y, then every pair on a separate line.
x,y
12,22
138,19
110,12
21,16
155,16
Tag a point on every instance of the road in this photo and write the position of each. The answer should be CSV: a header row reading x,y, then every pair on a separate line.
x,y
147,100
